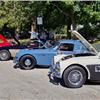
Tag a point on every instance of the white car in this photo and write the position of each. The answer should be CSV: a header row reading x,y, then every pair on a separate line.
x,y
77,68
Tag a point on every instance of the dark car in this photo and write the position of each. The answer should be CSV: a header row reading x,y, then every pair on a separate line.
x,y
8,50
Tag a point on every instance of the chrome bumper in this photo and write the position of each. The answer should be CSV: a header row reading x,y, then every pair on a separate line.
x,y
55,72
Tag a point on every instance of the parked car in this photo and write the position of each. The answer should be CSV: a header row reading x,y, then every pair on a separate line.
x,y
8,50
4,41
28,58
75,69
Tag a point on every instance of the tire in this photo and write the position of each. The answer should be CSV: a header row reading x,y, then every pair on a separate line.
x,y
73,72
5,55
27,62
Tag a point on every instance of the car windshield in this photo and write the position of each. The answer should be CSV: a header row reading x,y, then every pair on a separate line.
x,y
55,44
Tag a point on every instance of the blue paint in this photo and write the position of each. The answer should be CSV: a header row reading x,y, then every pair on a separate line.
x,y
44,56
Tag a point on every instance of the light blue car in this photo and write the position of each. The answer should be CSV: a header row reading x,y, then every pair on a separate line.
x,y
28,58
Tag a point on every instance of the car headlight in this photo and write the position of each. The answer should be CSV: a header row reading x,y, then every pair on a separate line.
x,y
57,66
67,57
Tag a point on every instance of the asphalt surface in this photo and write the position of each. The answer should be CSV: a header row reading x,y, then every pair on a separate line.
x,y
18,84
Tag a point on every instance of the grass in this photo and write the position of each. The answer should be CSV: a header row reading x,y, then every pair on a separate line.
x,y
24,40
96,42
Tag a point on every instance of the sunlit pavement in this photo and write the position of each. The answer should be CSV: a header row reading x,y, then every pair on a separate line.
x,y
17,84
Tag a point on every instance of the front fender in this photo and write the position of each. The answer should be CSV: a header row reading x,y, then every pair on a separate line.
x,y
68,63
24,52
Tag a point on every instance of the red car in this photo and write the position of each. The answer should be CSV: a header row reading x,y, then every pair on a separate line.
x,y
4,41
9,50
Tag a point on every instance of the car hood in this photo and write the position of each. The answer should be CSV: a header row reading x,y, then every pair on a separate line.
x,y
33,51
37,50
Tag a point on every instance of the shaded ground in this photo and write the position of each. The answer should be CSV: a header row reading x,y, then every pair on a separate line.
x,y
17,84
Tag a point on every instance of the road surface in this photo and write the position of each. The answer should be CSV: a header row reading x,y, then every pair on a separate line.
x,y
18,84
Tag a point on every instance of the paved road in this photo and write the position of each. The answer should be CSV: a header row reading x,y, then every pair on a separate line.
x,y
17,84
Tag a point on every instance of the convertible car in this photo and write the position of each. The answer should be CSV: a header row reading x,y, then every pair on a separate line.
x,y
3,41
75,69
28,58
8,50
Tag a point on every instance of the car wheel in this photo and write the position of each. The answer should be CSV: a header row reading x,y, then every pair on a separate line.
x,y
74,76
4,55
27,62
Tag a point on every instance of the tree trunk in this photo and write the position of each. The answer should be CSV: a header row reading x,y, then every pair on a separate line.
x,y
33,25
72,18
4,29
71,23
68,28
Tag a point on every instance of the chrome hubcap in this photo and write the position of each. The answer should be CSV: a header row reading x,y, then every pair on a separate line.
x,y
75,77
3,55
27,62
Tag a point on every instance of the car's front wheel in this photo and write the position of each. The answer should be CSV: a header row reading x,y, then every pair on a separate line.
x,y
27,62
4,55
74,76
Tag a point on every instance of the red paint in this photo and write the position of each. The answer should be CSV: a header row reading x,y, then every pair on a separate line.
x,y
4,41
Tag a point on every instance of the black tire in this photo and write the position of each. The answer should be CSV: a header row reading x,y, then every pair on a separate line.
x,y
27,62
73,72
5,55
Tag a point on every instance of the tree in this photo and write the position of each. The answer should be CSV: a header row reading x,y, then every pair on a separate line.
x,y
57,15
88,15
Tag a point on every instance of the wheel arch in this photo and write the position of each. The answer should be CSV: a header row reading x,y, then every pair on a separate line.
x,y
85,68
29,55
7,51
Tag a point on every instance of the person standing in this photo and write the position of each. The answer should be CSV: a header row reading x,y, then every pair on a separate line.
x,y
43,36
34,35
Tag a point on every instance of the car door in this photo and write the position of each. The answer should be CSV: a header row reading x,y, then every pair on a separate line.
x,y
44,57
93,65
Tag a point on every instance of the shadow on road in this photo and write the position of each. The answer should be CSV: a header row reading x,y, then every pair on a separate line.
x,y
36,67
57,81
92,83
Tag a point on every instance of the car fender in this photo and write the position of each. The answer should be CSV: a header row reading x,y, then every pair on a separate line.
x,y
25,52
30,55
13,52
71,62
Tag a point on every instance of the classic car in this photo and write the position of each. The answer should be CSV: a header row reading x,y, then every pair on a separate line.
x,y
4,41
75,69
28,58
8,50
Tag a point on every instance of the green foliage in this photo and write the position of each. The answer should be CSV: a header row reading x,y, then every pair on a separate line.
x,y
88,15
57,15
